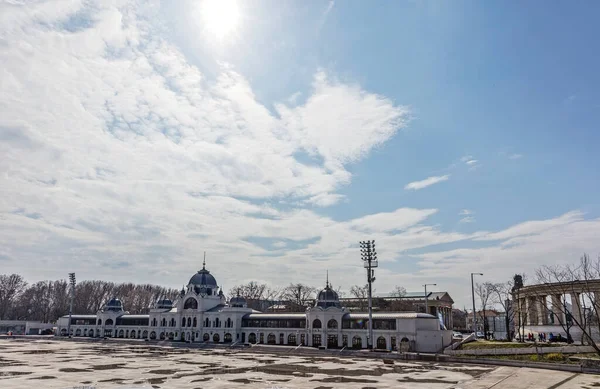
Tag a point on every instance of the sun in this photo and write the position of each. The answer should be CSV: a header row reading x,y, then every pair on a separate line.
x,y
220,17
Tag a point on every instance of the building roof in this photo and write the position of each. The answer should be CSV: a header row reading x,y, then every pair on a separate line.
x,y
389,315
218,308
134,316
275,316
81,316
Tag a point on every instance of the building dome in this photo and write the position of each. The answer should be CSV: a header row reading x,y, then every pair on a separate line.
x,y
238,302
114,304
204,278
328,294
164,304
328,297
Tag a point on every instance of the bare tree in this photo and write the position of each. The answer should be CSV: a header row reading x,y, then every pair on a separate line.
x,y
298,294
361,293
502,295
484,293
11,287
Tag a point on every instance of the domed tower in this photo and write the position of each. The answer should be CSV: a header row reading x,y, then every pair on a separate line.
x,y
328,297
114,305
238,301
203,283
164,304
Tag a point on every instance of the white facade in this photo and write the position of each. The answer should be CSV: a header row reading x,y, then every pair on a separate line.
x,y
202,314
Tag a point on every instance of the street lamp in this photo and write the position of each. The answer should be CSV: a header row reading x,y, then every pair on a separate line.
x,y
369,257
473,296
72,283
425,285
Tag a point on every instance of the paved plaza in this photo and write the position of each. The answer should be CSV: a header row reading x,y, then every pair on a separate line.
x,y
69,364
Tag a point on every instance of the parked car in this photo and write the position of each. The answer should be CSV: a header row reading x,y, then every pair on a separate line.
x,y
479,335
457,335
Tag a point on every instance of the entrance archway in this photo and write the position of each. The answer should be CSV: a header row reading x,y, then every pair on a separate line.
x,y
381,343
271,339
216,338
206,337
227,338
252,338
356,342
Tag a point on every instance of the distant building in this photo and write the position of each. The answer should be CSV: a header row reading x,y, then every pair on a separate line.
x,y
438,302
459,320
494,325
202,313
21,327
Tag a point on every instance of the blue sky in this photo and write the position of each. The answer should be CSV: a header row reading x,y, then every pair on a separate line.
x,y
136,137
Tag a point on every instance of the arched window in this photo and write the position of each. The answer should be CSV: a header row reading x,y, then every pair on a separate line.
x,y
206,337
91,333
316,323
271,339
228,323
99,322
78,332
172,322
109,322
190,303
164,322
356,342
381,343
154,322
195,322
206,322
189,322
216,338
132,334
121,333
217,323
162,336
145,334
183,321
252,338
291,339
227,338
332,324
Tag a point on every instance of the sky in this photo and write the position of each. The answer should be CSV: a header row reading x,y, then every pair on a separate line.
x,y
275,135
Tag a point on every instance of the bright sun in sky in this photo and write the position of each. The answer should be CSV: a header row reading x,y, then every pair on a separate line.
x,y
220,17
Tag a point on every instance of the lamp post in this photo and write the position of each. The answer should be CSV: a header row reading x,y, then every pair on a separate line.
x,y
425,285
72,283
473,297
369,257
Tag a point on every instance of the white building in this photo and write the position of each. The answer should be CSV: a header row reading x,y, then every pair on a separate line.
x,y
201,313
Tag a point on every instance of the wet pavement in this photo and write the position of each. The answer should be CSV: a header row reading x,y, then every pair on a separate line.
x,y
69,364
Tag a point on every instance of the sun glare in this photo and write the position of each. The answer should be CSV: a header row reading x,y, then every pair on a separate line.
x,y
220,17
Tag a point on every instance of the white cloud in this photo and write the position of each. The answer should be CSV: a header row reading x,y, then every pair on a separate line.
x,y
417,185
325,199
515,156
117,149
468,216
